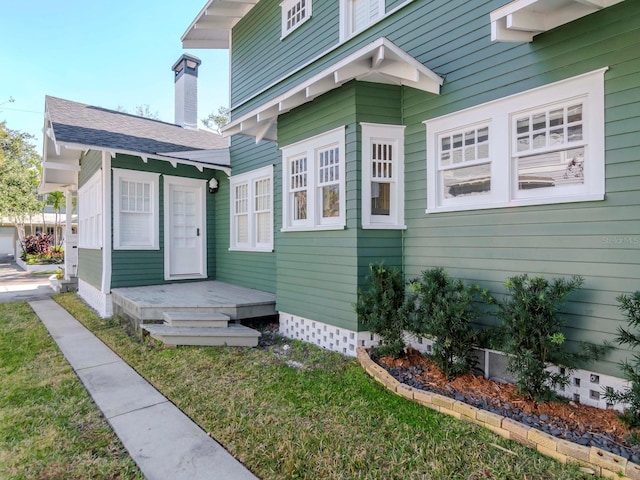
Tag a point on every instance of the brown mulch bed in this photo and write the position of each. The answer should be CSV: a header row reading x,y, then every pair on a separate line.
x,y
575,422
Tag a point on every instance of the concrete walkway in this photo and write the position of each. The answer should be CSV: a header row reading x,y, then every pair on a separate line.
x,y
162,440
16,285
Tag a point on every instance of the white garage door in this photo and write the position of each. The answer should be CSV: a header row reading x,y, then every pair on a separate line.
x,y
6,240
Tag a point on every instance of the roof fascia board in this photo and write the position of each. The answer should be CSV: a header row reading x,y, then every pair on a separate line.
x,y
163,157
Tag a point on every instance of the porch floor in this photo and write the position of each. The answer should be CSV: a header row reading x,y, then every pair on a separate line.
x,y
149,303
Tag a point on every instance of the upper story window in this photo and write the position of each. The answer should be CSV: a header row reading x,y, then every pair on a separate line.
x,y
294,14
90,212
313,183
541,146
382,176
135,210
252,210
356,15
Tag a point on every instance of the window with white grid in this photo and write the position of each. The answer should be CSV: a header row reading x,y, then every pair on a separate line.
x,y
90,213
382,176
294,14
136,211
252,210
540,146
313,185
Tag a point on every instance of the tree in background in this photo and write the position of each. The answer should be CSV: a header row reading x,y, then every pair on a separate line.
x,y
19,178
217,120
141,111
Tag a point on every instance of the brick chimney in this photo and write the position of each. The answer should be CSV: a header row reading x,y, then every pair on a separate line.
x,y
186,86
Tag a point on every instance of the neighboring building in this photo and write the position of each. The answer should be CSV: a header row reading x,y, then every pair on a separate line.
x,y
143,190
489,138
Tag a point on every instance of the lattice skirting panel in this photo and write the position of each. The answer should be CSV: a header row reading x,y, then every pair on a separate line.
x,y
585,387
100,302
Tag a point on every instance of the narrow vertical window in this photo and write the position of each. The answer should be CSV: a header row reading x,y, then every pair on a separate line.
x,y
382,176
298,188
329,181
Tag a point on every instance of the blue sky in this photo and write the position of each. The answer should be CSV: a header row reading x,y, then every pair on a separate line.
x,y
109,54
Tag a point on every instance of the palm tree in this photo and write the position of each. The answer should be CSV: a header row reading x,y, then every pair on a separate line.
x,y
57,201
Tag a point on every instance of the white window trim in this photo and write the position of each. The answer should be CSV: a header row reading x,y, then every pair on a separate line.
x,y
346,14
285,6
250,178
498,114
308,148
134,175
90,192
384,133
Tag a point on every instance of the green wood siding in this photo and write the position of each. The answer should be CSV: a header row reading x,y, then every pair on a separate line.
x,y
319,272
598,240
90,163
259,56
146,267
249,269
90,266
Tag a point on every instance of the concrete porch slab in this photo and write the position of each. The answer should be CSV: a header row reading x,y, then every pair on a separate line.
x,y
149,303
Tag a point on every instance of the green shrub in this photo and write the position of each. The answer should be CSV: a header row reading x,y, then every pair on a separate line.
x,y
630,306
444,308
531,327
381,308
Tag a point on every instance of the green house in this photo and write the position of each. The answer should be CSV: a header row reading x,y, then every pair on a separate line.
x,y
143,189
491,138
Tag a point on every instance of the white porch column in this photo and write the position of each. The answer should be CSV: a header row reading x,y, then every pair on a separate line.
x,y
70,240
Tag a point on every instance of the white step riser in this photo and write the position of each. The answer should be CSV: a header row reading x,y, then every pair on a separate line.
x,y
198,323
207,341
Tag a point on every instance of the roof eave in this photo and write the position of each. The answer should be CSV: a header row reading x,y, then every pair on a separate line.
x,y
521,20
211,28
381,61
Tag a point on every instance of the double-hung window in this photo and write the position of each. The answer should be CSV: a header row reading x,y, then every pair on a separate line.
x,y
382,176
313,183
252,210
294,14
136,210
541,146
90,212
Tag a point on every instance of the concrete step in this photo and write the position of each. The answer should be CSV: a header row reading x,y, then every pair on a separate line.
x,y
235,335
186,318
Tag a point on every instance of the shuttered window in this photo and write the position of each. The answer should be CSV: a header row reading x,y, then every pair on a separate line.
x,y
90,213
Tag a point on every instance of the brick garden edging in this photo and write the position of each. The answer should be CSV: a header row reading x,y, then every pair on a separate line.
x,y
600,461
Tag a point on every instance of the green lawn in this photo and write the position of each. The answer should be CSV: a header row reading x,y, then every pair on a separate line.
x,y
322,418
49,426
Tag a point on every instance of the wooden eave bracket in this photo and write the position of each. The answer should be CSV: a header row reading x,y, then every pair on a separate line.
x,y
381,61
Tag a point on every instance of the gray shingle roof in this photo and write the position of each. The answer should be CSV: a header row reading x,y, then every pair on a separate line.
x,y
75,122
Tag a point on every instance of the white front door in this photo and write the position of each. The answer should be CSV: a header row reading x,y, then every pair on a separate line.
x,y
184,228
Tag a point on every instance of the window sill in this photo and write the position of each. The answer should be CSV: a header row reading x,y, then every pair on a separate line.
x,y
382,226
136,248
258,250
520,203
313,229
